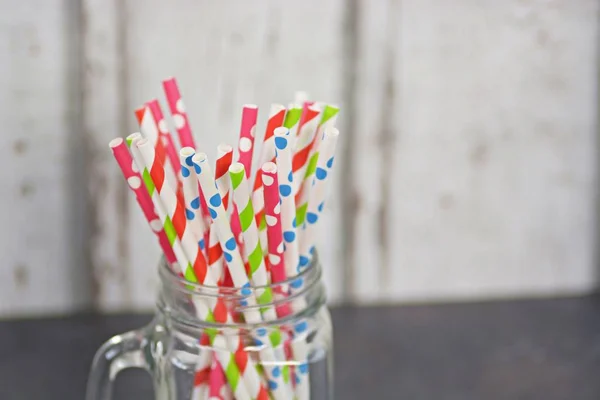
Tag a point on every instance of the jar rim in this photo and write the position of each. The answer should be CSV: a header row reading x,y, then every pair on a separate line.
x,y
304,290
311,273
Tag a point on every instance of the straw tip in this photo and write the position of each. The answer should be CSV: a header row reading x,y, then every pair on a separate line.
x,y
281,131
187,151
236,168
134,135
250,106
224,148
116,142
269,167
199,158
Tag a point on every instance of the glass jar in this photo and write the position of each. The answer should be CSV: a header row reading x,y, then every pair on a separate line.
x,y
198,347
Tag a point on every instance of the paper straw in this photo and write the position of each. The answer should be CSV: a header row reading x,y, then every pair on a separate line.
x,y
276,117
273,218
164,133
328,118
132,175
246,142
326,149
220,222
177,108
252,247
149,130
224,159
202,376
225,358
308,233
215,257
306,133
277,385
299,345
292,118
258,271
275,233
168,228
288,204
175,210
191,197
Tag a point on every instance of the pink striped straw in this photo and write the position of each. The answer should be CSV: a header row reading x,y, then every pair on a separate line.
x,y
218,383
164,133
177,108
246,142
131,173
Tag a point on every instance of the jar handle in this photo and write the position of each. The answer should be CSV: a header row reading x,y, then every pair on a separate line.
x,y
118,353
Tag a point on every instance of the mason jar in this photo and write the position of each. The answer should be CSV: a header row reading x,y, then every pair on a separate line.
x,y
199,347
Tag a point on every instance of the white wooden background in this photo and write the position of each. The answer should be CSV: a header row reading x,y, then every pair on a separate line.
x,y
468,166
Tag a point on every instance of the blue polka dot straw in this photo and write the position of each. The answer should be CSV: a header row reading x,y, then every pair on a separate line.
x,y
191,195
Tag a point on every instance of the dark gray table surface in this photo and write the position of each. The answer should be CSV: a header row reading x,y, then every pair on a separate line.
x,y
538,349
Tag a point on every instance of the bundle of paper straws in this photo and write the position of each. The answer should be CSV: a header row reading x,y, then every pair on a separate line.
x,y
233,228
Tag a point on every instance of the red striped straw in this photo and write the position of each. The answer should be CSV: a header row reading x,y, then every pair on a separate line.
x,y
175,209
215,257
307,129
164,133
149,130
246,142
202,374
224,160
131,173
177,108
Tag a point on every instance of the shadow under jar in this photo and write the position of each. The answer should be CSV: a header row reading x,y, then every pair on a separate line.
x,y
198,343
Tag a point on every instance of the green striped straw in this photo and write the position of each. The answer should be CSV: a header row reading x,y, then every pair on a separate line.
x,y
328,119
253,252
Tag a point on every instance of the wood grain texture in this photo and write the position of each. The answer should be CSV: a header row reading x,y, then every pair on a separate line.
x,y
468,156
42,233
495,171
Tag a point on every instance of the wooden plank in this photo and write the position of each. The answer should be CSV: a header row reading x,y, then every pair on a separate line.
x,y
42,236
368,176
495,173
104,107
